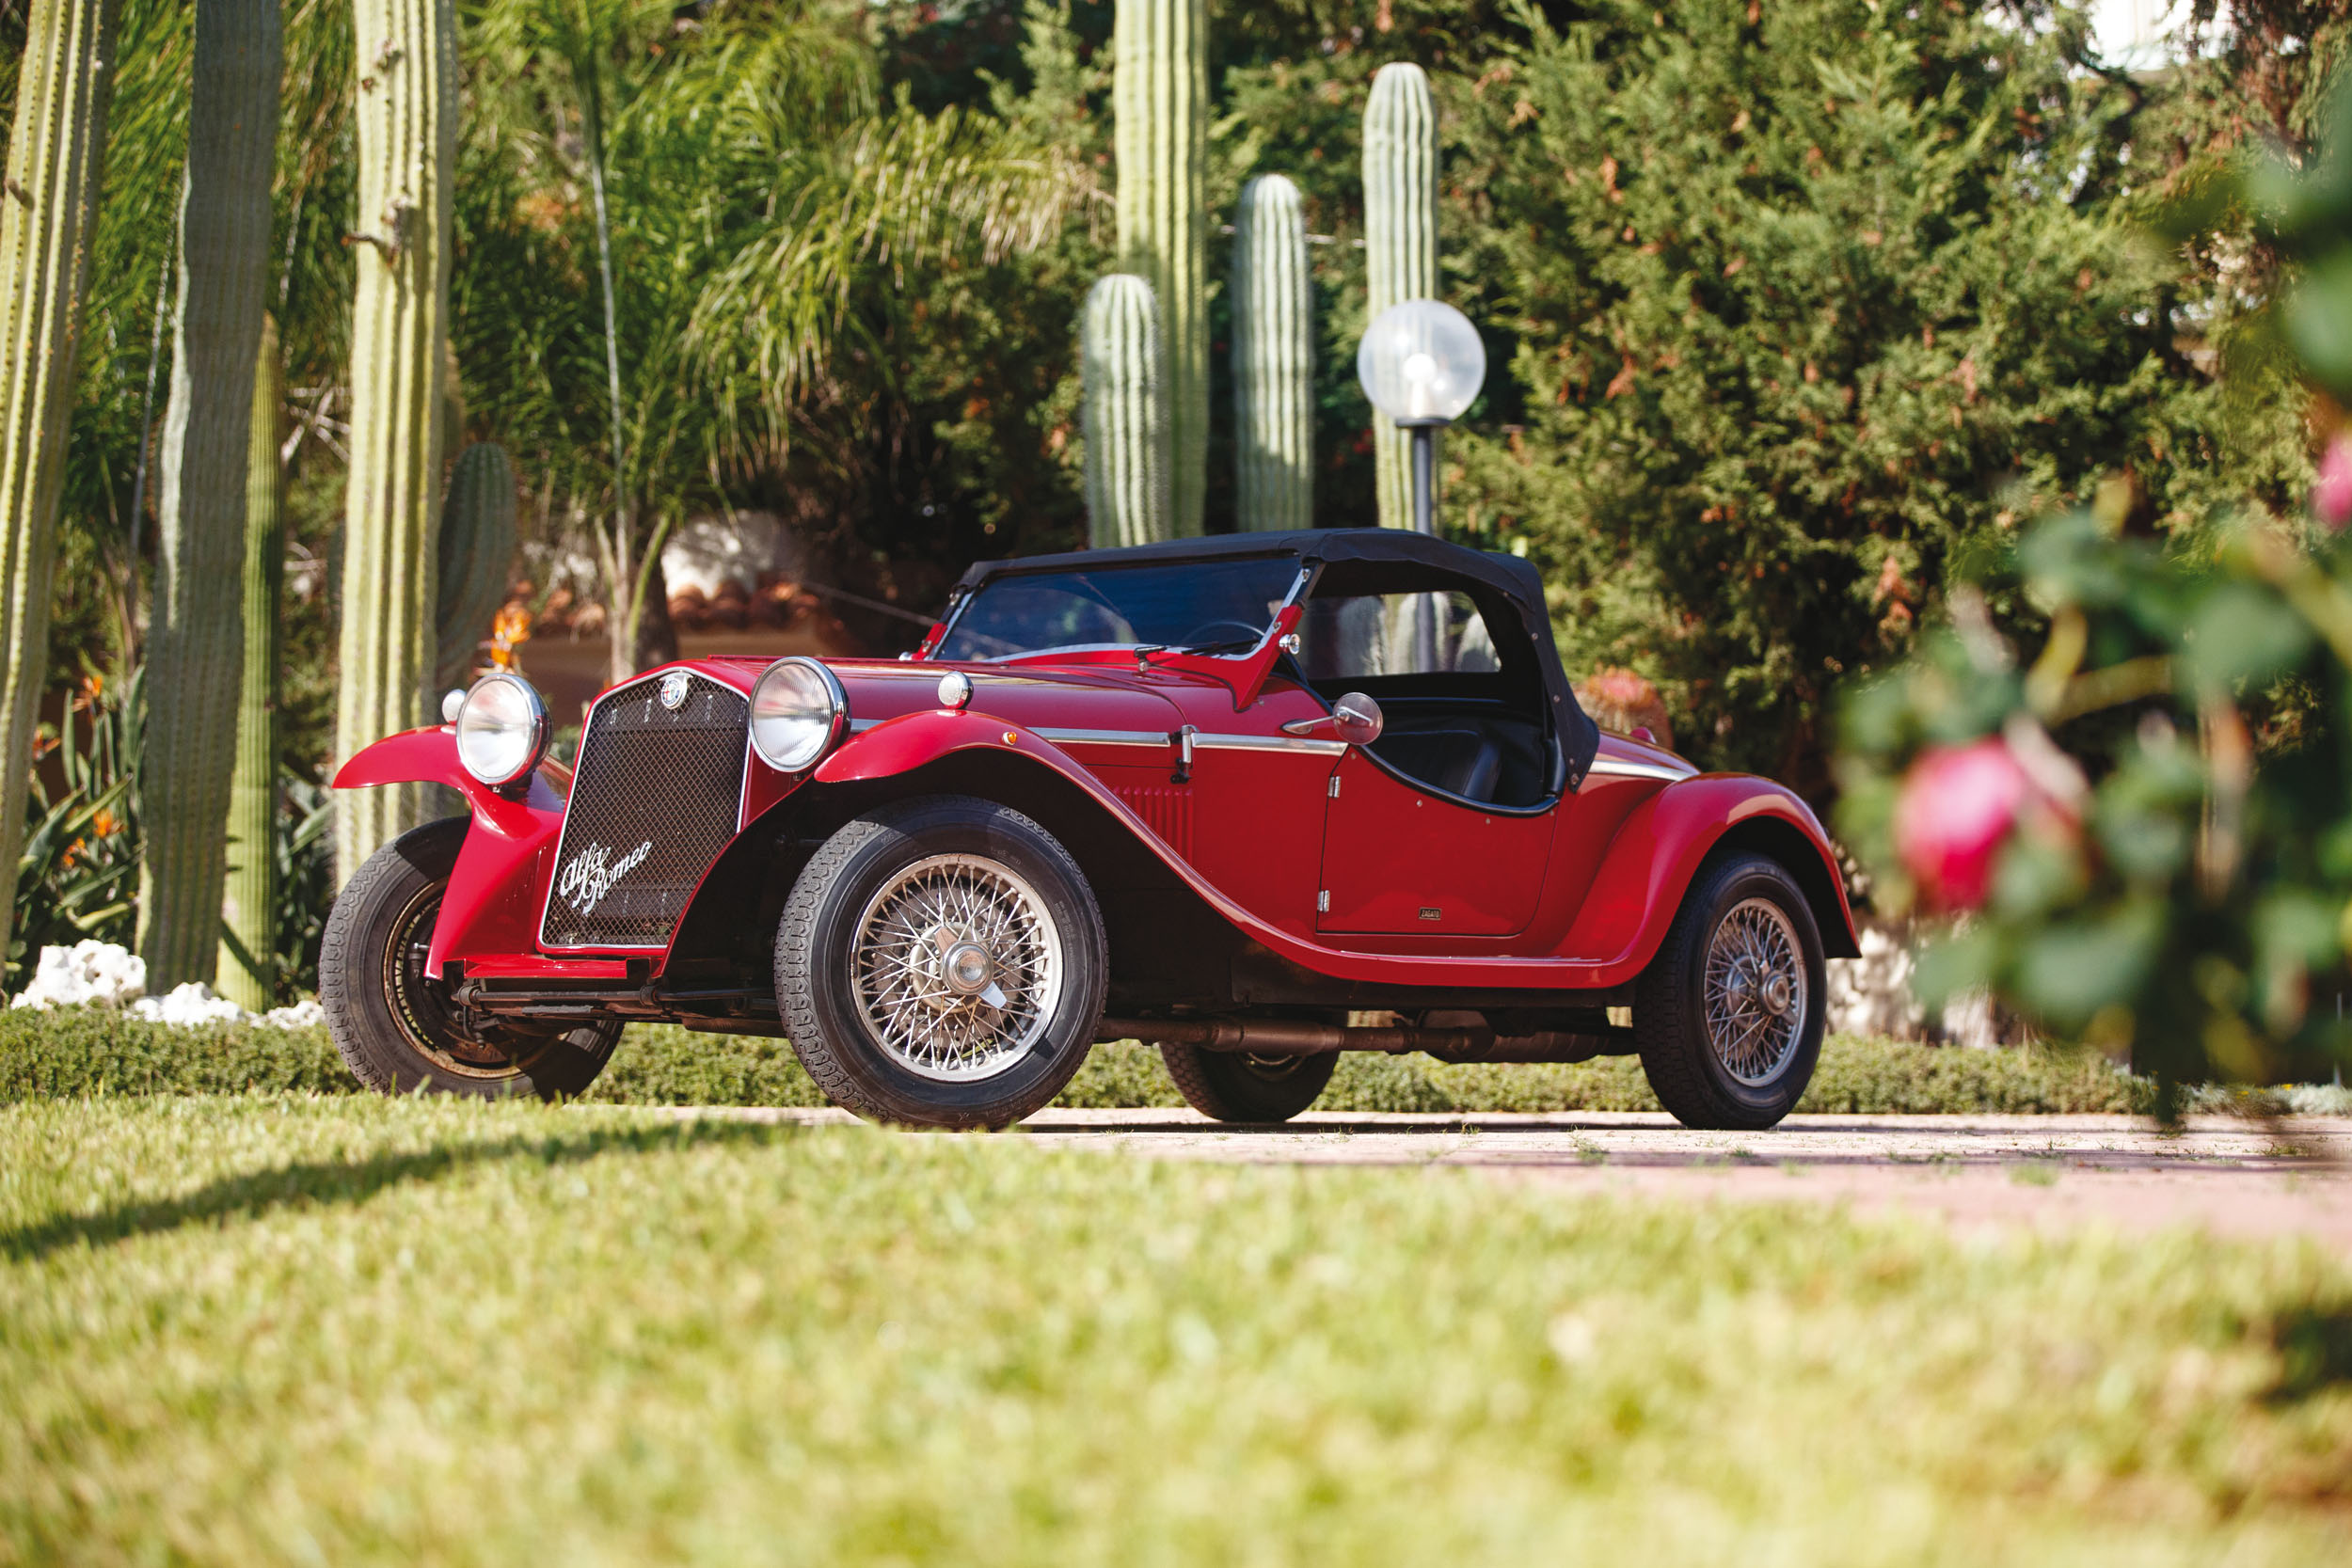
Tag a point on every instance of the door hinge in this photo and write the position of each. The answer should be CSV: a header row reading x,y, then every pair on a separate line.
x,y
1323,902
1335,787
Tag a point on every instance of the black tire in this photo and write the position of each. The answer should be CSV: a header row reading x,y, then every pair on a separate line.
x,y
1229,1085
395,1026
1775,1058
831,998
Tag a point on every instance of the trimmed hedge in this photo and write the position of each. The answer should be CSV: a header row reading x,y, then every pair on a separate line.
x,y
73,1052
69,1052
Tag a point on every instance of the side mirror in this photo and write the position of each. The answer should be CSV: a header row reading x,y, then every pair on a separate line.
x,y
1355,718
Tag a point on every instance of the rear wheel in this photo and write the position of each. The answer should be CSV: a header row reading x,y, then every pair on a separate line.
x,y
1231,1085
396,1026
1728,1014
941,963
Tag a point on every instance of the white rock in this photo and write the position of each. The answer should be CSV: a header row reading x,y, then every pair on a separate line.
x,y
107,974
190,1003
1872,994
101,971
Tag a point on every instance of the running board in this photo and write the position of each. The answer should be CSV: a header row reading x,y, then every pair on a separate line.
x,y
1284,1036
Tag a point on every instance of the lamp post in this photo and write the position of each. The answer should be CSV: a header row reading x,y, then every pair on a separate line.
x,y
1421,363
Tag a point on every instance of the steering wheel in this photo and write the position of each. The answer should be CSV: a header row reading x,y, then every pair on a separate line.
x,y
1199,635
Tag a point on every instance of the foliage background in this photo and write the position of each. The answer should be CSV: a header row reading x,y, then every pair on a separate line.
x,y
1793,310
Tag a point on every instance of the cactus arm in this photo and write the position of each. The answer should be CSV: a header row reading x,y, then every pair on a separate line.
x,y
196,637
1160,93
47,217
1274,358
1400,240
248,916
406,127
1122,371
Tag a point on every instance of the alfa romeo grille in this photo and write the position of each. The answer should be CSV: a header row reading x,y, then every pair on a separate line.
x,y
654,801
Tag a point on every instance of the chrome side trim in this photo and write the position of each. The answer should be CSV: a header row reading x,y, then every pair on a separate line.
x,y
1106,738
1270,743
1162,738
1621,768
1061,737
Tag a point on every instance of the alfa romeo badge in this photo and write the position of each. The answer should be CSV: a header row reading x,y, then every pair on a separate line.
x,y
674,687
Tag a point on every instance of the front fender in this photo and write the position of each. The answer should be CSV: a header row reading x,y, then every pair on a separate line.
x,y
905,743
490,910
1660,846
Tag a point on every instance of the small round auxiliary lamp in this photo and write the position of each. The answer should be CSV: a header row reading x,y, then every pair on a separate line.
x,y
1421,364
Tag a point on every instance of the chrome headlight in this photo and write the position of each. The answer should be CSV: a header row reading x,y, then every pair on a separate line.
x,y
502,729
798,708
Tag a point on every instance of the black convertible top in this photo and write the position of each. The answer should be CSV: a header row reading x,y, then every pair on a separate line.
x,y
1506,576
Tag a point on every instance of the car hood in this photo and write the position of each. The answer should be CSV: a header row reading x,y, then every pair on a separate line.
x,y
1029,695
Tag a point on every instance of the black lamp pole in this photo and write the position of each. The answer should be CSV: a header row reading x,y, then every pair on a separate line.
x,y
1424,521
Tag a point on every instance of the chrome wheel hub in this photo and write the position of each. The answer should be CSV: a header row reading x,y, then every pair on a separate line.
x,y
1755,990
956,967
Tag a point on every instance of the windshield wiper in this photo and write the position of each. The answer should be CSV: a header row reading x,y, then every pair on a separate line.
x,y
1231,645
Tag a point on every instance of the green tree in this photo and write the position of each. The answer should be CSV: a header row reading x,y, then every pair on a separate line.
x,y
1811,300
751,198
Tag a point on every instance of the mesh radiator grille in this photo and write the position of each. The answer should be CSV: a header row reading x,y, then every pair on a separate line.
x,y
654,802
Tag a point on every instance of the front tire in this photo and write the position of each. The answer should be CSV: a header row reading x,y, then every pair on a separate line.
x,y
1231,1085
1728,1015
396,1026
941,963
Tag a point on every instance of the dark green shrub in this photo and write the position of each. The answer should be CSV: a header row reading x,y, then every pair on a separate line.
x,y
71,1051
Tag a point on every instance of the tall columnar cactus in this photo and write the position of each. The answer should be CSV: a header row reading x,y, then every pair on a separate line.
x,y
1400,239
1160,90
477,547
407,154
248,910
453,403
1124,371
48,208
196,642
1274,358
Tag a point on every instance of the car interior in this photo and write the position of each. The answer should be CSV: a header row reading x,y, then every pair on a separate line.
x,y
1460,690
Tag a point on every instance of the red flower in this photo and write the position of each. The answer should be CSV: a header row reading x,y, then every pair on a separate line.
x,y
1957,806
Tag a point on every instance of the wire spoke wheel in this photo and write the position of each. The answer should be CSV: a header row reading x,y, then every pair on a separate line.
x,y
1756,992
956,967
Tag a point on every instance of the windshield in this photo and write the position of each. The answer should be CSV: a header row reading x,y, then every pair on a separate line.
x,y
1220,606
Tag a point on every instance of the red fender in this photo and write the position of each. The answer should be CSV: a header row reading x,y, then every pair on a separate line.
x,y
491,908
1620,925
1658,848
907,742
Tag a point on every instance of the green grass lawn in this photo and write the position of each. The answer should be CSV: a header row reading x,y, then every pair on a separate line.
x,y
353,1330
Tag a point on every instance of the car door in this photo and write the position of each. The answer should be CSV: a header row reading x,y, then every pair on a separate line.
x,y
1399,858
1439,827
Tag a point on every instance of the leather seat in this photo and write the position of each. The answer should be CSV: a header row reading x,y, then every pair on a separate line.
x,y
1474,771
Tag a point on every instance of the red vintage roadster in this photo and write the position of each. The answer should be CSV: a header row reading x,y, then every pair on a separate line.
x,y
1258,798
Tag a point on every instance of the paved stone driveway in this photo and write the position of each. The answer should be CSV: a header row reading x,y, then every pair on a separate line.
x,y
2225,1176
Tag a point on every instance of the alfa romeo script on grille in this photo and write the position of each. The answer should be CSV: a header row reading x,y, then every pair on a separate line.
x,y
594,873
